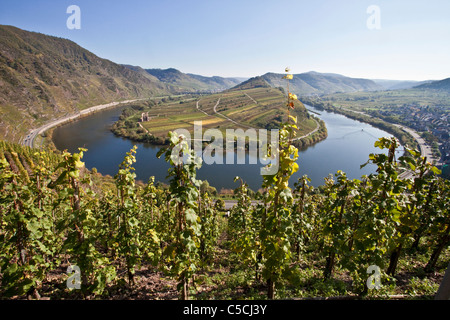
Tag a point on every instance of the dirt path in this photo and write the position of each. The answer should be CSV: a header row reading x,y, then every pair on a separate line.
x,y
198,108
312,132
229,119
251,98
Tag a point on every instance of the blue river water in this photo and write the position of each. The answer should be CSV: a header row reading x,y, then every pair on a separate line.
x,y
348,145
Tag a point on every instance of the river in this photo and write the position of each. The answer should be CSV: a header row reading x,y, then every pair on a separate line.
x,y
348,145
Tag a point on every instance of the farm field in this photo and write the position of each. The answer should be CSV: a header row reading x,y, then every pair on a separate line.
x,y
256,108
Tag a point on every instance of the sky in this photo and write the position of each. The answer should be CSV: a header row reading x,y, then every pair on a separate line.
x,y
401,40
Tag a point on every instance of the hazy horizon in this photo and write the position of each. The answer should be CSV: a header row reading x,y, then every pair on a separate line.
x,y
404,40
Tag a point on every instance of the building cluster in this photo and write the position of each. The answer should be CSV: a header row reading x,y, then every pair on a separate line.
x,y
432,119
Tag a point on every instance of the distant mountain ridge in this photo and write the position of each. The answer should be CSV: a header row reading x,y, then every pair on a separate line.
x,y
441,85
312,82
188,82
399,84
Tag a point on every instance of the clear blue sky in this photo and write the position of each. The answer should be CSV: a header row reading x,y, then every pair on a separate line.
x,y
251,37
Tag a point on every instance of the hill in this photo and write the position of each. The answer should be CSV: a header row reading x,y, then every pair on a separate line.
x,y
311,83
44,77
250,105
398,84
188,82
441,85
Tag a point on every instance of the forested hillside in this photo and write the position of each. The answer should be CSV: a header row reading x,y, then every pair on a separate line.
x,y
44,77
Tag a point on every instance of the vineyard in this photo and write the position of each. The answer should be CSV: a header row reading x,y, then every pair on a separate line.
x,y
66,233
258,108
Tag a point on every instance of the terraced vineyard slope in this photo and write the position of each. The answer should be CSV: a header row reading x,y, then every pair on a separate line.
x,y
251,105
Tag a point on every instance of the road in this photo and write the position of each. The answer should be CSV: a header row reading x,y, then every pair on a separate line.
x,y
31,136
425,149
312,132
224,116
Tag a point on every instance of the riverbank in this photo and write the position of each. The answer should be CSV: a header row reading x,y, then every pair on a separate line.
x,y
405,137
29,139
319,134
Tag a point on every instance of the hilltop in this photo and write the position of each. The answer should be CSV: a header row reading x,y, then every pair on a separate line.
x,y
255,82
310,83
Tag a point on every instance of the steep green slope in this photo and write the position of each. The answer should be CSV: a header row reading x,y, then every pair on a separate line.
x,y
44,77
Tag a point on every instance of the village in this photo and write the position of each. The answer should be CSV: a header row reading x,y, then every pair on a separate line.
x,y
432,122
